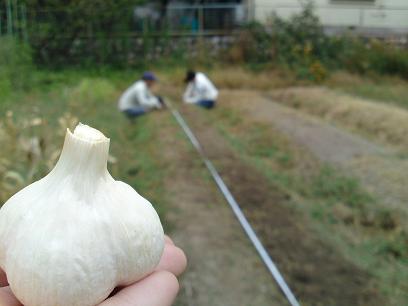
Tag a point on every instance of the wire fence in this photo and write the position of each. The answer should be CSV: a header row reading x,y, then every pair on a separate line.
x,y
203,20
199,20
75,35
13,20
124,36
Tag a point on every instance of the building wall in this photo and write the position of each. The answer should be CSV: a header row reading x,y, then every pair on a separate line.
x,y
377,15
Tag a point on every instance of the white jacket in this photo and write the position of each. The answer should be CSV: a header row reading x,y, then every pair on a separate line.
x,y
200,88
138,95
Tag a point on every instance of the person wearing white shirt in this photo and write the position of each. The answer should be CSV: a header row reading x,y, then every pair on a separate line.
x,y
200,90
138,99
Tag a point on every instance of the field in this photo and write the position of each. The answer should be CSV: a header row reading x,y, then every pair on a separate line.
x,y
321,173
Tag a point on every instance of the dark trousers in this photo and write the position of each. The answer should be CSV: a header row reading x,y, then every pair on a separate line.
x,y
134,112
140,110
208,104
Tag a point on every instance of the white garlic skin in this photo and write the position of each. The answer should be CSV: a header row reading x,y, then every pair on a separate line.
x,y
70,238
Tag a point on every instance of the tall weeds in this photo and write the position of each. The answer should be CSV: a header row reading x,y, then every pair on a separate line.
x,y
29,150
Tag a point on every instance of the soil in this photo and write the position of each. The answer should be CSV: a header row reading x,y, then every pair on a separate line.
x,y
315,272
223,268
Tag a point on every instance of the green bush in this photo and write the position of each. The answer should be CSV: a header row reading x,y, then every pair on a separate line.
x,y
15,66
374,57
252,45
81,32
299,39
300,44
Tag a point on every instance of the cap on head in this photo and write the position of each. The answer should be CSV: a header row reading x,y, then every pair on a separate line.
x,y
190,75
148,76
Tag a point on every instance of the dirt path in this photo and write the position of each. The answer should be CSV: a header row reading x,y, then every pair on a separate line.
x,y
223,267
317,274
326,142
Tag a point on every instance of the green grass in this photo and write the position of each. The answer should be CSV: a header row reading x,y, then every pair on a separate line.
x,y
92,99
332,187
340,210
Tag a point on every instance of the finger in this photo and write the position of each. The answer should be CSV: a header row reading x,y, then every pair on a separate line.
x,y
3,279
158,289
168,240
173,260
7,297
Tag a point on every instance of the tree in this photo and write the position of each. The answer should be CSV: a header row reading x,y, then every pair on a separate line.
x,y
59,28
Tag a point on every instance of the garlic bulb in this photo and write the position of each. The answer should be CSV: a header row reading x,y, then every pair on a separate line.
x,y
70,238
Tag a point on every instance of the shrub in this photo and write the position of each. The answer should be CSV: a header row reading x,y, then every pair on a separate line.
x,y
95,34
391,61
252,45
300,44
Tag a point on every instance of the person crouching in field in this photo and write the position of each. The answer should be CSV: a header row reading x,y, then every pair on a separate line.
x,y
200,90
137,100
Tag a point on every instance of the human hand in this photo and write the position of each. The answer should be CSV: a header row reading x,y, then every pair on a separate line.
x,y
162,103
157,289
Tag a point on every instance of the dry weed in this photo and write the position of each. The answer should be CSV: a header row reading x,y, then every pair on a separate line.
x,y
28,150
235,78
381,121
238,78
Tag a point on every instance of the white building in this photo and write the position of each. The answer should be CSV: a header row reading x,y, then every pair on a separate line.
x,y
376,17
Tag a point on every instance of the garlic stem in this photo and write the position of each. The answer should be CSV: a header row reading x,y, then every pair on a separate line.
x,y
85,153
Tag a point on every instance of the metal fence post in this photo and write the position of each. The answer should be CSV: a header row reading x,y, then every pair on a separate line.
x,y
250,6
9,19
15,17
24,22
145,25
360,19
200,19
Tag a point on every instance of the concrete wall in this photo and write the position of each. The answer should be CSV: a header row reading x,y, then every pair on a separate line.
x,y
378,15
